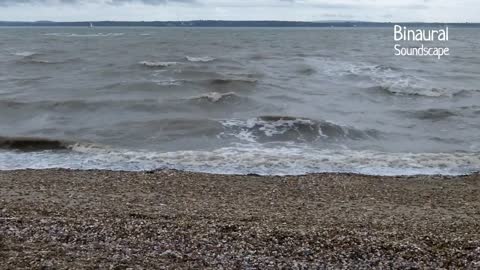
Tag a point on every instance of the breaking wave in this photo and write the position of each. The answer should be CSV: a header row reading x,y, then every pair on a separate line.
x,y
25,54
286,128
85,35
157,64
389,79
216,97
168,82
248,159
200,59
434,114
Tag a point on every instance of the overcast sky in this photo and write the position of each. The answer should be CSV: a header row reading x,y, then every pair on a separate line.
x,y
299,10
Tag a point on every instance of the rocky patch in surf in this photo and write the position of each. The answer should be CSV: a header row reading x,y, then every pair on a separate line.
x,y
26,144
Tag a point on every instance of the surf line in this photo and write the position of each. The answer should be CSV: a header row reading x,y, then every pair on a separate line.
x,y
420,35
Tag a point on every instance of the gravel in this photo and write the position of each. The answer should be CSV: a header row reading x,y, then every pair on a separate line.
x,y
62,219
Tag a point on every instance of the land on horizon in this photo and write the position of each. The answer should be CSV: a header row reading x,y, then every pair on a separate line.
x,y
220,23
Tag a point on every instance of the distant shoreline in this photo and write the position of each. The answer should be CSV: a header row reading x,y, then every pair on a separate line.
x,y
211,23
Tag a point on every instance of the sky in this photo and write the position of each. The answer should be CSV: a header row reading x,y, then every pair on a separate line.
x,y
288,10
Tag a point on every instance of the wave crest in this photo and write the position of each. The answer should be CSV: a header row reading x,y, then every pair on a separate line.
x,y
249,159
85,35
286,128
216,97
200,59
389,79
434,114
154,64
26,54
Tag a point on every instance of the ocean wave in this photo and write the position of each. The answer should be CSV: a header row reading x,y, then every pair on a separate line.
x,y
223,81
157,64
33,58
261,56
200,59
286,128
434,114
168,82
26,54
395,81
160,131
404,88
306,71
24,80
12,106
389,79
248,159
85,35
216,97
38,61
142,85
219,79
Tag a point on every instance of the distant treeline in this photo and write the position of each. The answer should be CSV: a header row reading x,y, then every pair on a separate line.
x,y
233,24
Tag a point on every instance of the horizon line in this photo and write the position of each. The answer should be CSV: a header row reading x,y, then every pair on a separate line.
x,y
261,20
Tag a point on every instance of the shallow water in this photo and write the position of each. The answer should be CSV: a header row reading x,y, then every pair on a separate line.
x,y
256,100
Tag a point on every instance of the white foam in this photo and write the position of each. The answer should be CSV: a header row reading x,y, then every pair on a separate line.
x,y
200,59
395,81
85,35
168,82
249,159
25,54
260,128
214,96
157,64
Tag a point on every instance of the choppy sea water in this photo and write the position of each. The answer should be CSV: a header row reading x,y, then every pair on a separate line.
x,y
237,101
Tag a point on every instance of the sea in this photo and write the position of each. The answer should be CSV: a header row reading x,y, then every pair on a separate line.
x,y
265,101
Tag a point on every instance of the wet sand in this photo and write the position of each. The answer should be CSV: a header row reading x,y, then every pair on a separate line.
x,y
59,219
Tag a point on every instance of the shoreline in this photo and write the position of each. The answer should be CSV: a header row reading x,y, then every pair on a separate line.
x,y
312,174
58,218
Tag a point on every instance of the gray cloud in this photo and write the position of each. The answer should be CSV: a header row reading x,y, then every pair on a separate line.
x,y
309,10
149,2
111,2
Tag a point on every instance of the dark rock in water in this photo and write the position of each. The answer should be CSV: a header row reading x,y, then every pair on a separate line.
x,y
31,144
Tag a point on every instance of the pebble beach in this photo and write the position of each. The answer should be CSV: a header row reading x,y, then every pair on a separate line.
x,y
65,219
